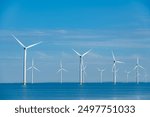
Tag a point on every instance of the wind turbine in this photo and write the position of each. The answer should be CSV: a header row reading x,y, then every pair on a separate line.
x,y
81,63
127,73
101,74
33,68
61,72
25,57
137,70
114,67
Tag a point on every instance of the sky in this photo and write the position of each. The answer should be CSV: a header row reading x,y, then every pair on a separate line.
x,y
122,26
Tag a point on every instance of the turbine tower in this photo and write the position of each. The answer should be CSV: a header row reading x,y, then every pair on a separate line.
x,y
25,57
81,64
84,72
114,67
61,72
127,73
101,74
33,68
137,70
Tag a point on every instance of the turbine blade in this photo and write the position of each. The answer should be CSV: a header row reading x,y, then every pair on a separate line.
x,y
34,44
113,56
135,67
86,52
36,69
103,70
64,70
18,41
76,52
32,62
29,68
119,62
59,70
141,67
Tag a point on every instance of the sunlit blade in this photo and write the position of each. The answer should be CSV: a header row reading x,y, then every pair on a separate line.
x,y
119,62
59,70
34,44
36,69
76,52
113,56
64,70
103,70
135,67
86,52
19,41
29,68
141,66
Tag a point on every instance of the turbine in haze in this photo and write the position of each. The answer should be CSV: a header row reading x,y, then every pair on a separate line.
x,y
81,64
127,73
101,74
61,72
25,57
33,68
137,70
114,67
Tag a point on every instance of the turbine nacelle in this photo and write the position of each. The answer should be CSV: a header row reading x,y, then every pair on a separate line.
x,y
81,55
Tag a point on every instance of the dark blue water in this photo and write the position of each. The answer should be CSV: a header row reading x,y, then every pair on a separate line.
x,y
74,91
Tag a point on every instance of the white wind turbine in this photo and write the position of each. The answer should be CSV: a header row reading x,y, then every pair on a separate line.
x,y
114,67
81,64
33,68
137,70
127,73
101,74
61,72
25,57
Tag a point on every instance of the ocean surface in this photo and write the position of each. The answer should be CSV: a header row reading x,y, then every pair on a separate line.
x,y
75,91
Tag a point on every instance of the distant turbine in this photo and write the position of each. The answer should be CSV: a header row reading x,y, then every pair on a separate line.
x,y
127,73
25,57
61,72
81,64
137,70
101,74
33,67
114,67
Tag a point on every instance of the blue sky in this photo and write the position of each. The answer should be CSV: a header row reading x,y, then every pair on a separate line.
x,y
103,25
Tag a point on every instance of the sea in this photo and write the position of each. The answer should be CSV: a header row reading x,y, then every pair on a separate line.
x,y
75,91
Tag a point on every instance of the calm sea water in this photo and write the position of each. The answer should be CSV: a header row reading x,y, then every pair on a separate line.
x,y
74,91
